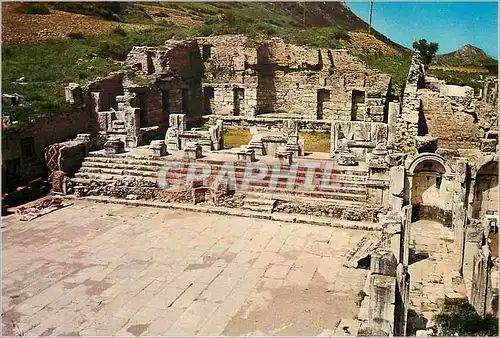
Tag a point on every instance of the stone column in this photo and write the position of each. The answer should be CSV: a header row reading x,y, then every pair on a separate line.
x,y
178,124
96,102
459,210
396,187
391,230
481,280
405,235
392,117
291,133
381,312
132,127
402,300
217,135
333,138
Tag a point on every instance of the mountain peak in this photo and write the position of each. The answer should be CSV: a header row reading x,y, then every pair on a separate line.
x,y
466,56
469,49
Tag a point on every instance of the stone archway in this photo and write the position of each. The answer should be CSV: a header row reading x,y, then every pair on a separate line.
x,y
428,188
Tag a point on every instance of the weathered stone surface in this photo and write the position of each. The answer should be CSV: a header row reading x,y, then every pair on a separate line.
x,y
193,151
397,179
114,146
73,94
284,155
383,263
158,148
246,155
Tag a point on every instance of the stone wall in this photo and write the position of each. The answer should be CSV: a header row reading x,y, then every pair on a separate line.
x,y
100,95
238,122
452,120
449,116
44,131
406,126
276,77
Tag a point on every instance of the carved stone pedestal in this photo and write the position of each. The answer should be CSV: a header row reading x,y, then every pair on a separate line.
x,y
284,156
346,159
192,151
246,155
157,148
114,146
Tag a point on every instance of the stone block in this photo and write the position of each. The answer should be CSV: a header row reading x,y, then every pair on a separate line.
x,y
301,147
198,194
246,155
74,94
193,151
397,179
381,308
86,140
346,159
284,156
383,262
489,145
206,144
114,146
157,148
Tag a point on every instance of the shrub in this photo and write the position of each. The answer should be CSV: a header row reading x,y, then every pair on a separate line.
x,y
205,30
112,49
458,317
32,8
119,31
76,35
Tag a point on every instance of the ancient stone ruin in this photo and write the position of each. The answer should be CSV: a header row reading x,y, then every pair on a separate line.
x,y
431,154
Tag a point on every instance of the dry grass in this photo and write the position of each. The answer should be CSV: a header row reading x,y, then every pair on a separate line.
x,y
35,28
316,142
364,43
313,141
236,137
479,70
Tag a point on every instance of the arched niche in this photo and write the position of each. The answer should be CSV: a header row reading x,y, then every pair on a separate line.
x,y
428,188
485,190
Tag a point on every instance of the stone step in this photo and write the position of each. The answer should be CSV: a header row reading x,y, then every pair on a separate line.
x,y
150,168
263,186
259,201
117,159
119,171
258,208
239,174
112,177
141,160
292,194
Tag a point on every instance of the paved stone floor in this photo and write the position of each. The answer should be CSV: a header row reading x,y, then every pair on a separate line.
x,y
106,269
432,271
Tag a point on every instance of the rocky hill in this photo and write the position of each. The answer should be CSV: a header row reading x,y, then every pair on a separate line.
x,y
466,56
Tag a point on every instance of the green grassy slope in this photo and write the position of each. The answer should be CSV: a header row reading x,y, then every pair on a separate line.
x,y
50,65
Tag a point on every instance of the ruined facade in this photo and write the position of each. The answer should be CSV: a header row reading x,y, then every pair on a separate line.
x,y
430,156
243,78
233,76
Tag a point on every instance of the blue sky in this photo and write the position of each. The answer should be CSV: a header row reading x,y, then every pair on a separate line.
x,y
451,24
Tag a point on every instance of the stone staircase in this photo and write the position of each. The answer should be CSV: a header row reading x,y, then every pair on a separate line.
x,y
256,203
347,187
